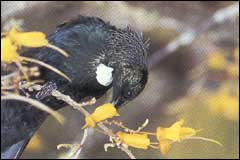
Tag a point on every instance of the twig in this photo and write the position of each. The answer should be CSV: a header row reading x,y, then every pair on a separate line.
x,y
85,134
47,66
79,107
75,149
35,103
72,103
8,76
128,152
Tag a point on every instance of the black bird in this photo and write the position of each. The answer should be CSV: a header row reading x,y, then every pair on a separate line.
x,y
101,56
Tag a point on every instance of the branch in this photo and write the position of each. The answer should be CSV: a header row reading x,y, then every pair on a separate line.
x,y
37,104
72,103
85,134
79,107
75,148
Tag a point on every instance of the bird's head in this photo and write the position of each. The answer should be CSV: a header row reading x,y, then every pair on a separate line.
x,y
128,84
131,72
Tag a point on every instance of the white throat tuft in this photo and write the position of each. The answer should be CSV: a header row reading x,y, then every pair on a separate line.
x,y
104,75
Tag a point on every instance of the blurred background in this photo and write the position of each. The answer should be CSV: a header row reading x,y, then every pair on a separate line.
x,y
194,73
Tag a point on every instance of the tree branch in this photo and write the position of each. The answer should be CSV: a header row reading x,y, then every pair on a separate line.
x,y
79,107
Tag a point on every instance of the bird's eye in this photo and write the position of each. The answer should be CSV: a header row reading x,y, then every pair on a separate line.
x,y
129,93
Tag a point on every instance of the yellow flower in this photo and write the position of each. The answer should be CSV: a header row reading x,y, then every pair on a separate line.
x,y
187,132
175,132
101,113
13,40
135,140
216,61
90,122
164,146
32,40
8,51
28,39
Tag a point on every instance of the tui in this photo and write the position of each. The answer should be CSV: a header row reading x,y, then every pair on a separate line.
x,y
101,56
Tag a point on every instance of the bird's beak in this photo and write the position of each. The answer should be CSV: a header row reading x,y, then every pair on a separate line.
x,y
117,99
117,102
